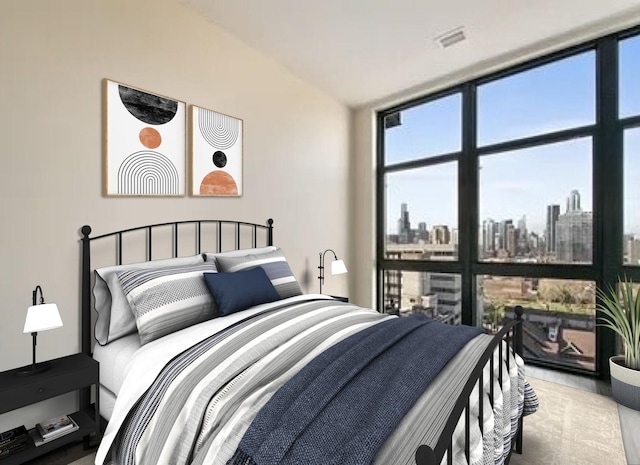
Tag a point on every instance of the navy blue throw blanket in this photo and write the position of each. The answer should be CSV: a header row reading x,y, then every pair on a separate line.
x,y
340,408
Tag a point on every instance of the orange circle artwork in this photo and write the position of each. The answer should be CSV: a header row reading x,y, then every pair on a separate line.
x,y
150,138
218,183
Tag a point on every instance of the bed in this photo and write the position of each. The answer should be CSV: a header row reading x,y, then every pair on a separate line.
x,y
213,354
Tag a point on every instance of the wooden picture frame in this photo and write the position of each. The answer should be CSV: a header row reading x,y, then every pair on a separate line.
x,y
144,142
216,154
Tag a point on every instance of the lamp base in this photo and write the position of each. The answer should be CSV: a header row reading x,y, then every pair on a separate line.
x,y
34,369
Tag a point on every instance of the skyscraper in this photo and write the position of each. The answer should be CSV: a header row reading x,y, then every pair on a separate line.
x,y
553,211
440,234
573,202
488,237
404,225
574,232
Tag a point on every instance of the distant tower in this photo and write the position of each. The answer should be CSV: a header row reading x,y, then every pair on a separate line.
x,y
574,232
404,225
488,236
573,202
553,211
423,234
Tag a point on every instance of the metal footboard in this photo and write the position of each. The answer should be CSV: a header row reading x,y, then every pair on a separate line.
x,y
512,334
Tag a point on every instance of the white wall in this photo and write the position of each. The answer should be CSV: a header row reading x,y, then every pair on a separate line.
x,y
53,58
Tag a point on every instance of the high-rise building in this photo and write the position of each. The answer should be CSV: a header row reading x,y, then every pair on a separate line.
x,y
448,289
522,243
488,237
574,232
440,234
573,202
423,234
503,227
632,249
511,240
439,295
553,211
404,225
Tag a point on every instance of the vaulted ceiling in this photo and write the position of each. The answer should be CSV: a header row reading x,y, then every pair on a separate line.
x,y
361,51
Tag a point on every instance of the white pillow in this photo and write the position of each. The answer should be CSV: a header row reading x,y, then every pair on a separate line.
x,y
274,264
115,318
239,253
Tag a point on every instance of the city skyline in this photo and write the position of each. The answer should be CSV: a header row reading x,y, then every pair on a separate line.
x,y
555,96
405,216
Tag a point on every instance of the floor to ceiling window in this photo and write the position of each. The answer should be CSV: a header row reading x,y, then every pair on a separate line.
x,y
519,188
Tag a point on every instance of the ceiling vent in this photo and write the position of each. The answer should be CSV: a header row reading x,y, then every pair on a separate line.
x,y
451,38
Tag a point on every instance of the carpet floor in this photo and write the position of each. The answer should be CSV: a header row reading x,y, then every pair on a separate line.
x,y
571,427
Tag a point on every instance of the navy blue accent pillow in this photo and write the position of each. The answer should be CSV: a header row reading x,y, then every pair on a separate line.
x,y
240,290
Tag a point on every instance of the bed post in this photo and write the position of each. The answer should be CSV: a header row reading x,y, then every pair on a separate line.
x,y
425,456
270,231
519,350
86,295
519,312
85,322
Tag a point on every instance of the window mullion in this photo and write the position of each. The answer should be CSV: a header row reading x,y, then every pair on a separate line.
x,y
468,204
607,185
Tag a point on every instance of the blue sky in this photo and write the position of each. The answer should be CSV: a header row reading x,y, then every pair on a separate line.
x,y
556,96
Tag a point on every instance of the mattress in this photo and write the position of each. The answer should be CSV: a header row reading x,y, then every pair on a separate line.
x,y
150,360
107,402
114,359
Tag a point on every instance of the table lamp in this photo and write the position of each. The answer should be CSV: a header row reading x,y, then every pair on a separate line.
x,y
40,317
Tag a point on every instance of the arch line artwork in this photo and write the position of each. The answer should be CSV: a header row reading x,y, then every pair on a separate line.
x,y
216,153
220,131
144,143
148,173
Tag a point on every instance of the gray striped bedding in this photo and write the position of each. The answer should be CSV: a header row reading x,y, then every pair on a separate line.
x,y
196,408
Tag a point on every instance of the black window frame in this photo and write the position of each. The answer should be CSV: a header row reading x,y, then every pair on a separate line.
x,y
607,188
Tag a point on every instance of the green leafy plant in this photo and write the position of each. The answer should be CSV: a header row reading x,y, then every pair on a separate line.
x,y
621,310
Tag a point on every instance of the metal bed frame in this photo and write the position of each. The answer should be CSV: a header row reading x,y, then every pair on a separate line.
x,y
512,334
425,455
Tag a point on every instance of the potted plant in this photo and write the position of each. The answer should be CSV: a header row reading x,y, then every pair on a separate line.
x,y
621,313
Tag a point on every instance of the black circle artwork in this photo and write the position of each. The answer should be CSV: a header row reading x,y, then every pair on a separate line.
x,y
219,159
149,108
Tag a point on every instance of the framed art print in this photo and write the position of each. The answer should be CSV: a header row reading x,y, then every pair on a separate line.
x,y
144,143
216,153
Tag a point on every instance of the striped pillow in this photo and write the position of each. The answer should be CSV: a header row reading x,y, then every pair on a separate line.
x,y
165,300
274,264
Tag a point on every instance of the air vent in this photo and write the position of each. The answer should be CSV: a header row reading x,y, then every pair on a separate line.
x,y
451,38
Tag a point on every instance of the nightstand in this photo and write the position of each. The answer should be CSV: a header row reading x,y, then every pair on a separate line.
x,y
67,374
340,298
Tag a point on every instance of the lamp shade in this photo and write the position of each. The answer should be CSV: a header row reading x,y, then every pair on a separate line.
x,y
338,267
41,318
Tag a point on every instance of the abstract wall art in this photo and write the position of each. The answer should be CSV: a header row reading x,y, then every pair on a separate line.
x,y
144,143
216,153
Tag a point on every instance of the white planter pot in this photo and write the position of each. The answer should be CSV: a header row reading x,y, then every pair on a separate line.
x,y
625,383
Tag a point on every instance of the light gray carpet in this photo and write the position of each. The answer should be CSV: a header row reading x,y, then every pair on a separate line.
x,y
571,427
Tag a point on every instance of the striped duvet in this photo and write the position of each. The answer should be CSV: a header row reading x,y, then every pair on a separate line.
x,y
190,402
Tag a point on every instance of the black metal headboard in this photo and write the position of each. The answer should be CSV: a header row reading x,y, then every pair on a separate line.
x,y
239,227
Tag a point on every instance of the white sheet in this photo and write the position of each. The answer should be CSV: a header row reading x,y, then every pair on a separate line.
x,y
144,366
114,359
107,401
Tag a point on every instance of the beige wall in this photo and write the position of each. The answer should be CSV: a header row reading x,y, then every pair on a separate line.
x,y
53,58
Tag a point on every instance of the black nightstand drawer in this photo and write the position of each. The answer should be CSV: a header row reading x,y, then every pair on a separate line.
x,y
73,373
65,375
